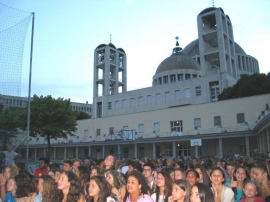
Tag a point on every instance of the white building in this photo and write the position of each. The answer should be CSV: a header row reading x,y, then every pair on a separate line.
x,y
179,110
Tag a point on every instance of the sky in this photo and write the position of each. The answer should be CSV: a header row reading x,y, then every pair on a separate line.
x,y
68,31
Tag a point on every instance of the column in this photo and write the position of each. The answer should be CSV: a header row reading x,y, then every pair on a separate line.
x,y
54,154
89,151
103,151
154,150
267,138
35,154
196,151
77,152
247,146
173,149
135,150
220,149
65,152
119,151
44,151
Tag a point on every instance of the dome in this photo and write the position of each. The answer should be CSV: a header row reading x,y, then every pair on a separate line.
x,y
238,49
121,49
100,46
177,61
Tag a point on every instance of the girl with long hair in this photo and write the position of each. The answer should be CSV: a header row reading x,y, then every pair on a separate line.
x,y
204,178
99,190
83,176
261,176
192,176
180,191
221,192
47,189
70,187
241,175
163,187
179,174
11,190
25,188
137,188
117,184
110,163
201,192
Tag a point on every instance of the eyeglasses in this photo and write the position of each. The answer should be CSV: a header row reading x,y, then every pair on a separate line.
x,y
147,170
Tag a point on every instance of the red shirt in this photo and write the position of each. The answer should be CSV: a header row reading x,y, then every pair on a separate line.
x,y
40,172
256,199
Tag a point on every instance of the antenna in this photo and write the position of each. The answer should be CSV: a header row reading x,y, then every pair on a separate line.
x,y
213,2
110,38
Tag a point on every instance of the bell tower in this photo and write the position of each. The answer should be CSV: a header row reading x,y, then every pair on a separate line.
x,y
110,76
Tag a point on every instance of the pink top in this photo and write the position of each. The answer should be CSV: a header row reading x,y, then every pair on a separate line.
x,y
145,198
256,199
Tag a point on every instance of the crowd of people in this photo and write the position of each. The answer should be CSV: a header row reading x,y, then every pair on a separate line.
x,y
238,179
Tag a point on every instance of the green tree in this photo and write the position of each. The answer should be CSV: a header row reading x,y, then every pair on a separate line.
x,y
51,118
248,85
82,115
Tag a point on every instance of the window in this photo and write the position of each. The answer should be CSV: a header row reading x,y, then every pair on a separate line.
x,y
217,120
149,99
197,122
187,76
111,130
187,93
183,148
141,128
177,94
167,97
140,101
125,127
198,90
124,103
172,78
159,81
132,102
155,82
165,79
240,118
86,133
168,149
214,89
98,132
156,127
109,105
180,77
116,105
75,133
158,98
176,126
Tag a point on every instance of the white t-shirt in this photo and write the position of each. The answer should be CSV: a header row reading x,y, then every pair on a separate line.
x,y
9,156
160,198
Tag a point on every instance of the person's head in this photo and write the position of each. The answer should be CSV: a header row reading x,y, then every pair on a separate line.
x,y
96,171
110,162
9,148
115,179
241,174
25,186
48,188
68,182
218,164
98,188
192,176
169,163
223,164
148,171
195,161
134,165
83,175
57,175
42,163
204,178
11,185
260,173
178,164
181,190
75,164
189,166
67,165
251,189
230,169
87,162
164,181
11,171
201,193
136,184
217,176
51,173
179,174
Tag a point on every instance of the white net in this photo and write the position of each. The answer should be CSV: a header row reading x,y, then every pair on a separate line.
x,y
13,29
